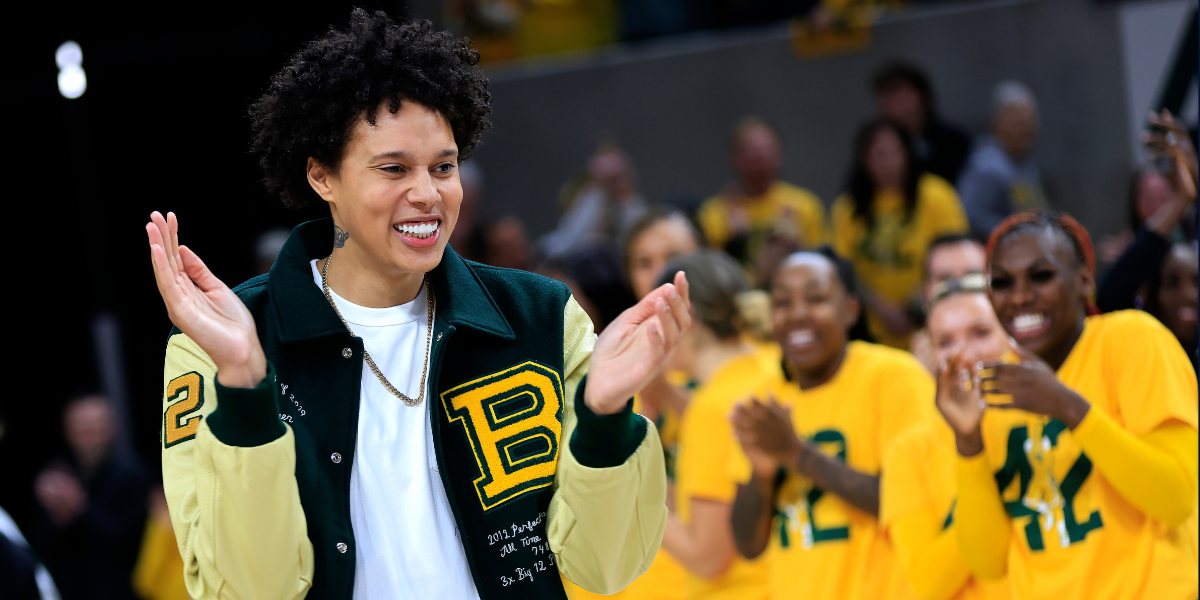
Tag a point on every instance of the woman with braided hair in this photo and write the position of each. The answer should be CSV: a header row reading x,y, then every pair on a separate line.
x,y
1077,460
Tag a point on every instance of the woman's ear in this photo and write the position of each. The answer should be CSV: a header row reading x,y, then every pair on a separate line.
x,y
1087,281
321,179
852,312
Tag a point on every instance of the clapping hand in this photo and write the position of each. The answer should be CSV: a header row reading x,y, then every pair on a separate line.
x,y
767,436
1034,387
961,402
633,349
204,308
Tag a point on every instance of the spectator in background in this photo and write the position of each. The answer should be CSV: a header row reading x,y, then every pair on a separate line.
x,y
1154,273
904,95
758,209
602,209
501,243
158,574
659,236
950,257
93,507
1149,191
1000,177
884,223
470,176
267,247
726,368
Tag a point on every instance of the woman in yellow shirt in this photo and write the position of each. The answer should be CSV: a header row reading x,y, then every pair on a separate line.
x,y
810,491
885,222
1078,478
727,368
657,237
918,488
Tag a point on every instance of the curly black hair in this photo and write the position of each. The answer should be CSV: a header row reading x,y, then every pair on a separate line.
x,y
314,103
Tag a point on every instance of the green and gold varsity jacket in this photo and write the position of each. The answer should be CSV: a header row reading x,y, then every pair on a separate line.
x,y
258,480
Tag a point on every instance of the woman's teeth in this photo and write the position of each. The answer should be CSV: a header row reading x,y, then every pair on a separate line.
x,y
802,337
417,230
1028,323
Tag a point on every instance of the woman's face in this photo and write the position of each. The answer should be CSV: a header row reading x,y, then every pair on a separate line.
x,y
653,247
966,323
1039,290
1153,192
1178,292
810,311
885,159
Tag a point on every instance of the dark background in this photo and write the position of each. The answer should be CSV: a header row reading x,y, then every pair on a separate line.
x,y
162,126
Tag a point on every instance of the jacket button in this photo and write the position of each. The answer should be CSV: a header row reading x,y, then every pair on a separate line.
x,y
347,353
335,457
342,547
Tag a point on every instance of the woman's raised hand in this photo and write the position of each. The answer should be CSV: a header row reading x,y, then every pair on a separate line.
x,y
633,349
961,402
204,308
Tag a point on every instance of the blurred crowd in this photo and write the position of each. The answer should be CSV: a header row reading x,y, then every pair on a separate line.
x,y
508,29
920,199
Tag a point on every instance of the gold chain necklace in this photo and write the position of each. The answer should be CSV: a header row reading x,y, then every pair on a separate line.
x,y
367,355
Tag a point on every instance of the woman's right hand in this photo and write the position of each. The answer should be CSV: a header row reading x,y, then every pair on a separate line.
x,y
961,403
203,308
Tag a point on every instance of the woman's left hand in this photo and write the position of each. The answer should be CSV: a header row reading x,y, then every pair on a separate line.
x,y
633,349
1034,387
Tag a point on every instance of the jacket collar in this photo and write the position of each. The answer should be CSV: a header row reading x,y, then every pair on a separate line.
x,y
303,313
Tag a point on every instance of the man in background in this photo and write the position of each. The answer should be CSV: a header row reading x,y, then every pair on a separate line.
x,y
603,207
1001,178
758,210
92,508
904,95
949,257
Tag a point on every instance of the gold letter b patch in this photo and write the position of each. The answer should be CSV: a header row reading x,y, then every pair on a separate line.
x,y
513,419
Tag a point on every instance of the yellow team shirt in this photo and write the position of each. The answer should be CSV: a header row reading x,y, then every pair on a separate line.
x,y
666,579
785,210
706,445
919,479
890,258
1074,535
821,547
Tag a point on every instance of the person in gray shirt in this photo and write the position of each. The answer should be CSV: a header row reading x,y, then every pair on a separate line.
x,y
1000,177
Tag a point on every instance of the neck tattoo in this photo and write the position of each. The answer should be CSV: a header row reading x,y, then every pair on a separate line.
x,y
339,236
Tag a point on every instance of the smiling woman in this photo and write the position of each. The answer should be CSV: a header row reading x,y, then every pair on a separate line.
x,y
369,491
1081,470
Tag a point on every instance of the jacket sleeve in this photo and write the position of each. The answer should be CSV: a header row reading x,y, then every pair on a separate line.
x,y
229,478
607,516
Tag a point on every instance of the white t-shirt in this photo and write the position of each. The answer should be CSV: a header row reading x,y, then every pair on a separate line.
x,y
407,544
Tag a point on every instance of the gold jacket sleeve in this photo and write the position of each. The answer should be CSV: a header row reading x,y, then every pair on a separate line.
x,y
605,524
235,510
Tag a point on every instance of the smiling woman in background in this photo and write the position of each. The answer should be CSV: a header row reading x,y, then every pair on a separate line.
x,y
826,430
918,489
1079,478
727,368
